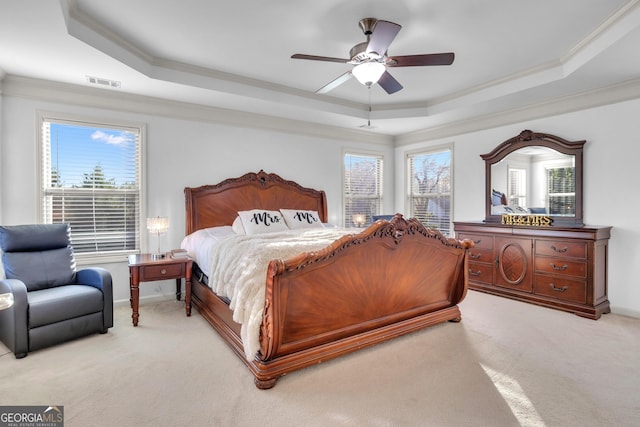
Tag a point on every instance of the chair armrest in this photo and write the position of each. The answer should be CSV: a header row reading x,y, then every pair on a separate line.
x,y
14,329
100,278
94,276
17,288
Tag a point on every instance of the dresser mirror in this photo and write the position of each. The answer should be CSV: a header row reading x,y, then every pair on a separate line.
x,y
535,174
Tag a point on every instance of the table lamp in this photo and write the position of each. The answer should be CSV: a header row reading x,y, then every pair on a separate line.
x,y
158,225
359,219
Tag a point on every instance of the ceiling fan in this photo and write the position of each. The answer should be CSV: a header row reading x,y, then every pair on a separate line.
x,y
371,60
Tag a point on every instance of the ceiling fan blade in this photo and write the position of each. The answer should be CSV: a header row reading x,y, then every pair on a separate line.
x,y
389,84
318,58
421,60
334,83
383,34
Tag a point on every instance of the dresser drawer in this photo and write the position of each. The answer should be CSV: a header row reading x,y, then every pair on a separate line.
x,y
480,242
561,248
561,288
562,266
480,255
481,272
160,272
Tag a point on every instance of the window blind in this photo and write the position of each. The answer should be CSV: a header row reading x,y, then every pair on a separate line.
x,y
517,184
90,178
362,191
430,189
561,191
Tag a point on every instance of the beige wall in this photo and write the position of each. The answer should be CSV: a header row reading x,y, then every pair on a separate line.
x,y
610,194
186,147
179,153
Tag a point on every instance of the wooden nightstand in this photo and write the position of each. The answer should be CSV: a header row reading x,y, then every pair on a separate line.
x,y
143,268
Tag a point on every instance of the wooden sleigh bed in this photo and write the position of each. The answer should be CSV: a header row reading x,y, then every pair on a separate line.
x,y
390,279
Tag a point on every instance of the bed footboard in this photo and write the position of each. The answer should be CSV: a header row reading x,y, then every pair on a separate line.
x,y
393,278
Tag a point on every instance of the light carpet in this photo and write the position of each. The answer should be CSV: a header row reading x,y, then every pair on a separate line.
x,y
506,364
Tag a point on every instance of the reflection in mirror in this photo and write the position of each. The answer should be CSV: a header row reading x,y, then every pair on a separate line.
x,y
536,180
535,174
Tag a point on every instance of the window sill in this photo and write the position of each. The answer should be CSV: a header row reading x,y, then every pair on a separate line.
x,y
110,258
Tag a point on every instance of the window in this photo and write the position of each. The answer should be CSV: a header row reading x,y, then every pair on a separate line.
x,y
517,187
362,188
430,187
91,179
561,190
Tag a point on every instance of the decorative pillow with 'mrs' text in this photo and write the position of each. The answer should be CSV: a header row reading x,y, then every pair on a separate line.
x,y
262,221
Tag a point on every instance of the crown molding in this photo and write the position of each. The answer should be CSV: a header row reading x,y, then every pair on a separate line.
x,y
607,95
89,30
45,90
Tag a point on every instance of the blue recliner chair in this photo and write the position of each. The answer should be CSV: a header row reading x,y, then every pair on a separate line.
x,y
52,302
374,218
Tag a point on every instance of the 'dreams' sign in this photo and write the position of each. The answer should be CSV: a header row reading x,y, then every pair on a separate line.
x,y
531,220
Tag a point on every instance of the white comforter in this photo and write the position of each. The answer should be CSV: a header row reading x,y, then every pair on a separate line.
x,y
239,269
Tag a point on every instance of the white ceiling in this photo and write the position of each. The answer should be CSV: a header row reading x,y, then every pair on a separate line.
x,y
510,54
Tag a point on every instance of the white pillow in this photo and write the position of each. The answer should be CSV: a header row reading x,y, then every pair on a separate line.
x,y
301,219
262,221
237,226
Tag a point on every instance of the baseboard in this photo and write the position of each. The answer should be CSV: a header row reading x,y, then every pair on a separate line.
x,y
625,312
144,300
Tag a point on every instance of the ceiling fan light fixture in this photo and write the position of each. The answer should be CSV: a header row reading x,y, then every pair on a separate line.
x,y
370,58
368,73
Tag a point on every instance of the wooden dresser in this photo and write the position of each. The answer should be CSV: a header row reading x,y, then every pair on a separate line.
x,y
562,268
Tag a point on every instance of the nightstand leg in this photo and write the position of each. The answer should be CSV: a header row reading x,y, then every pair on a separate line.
x,y
135,296
178,289
187,290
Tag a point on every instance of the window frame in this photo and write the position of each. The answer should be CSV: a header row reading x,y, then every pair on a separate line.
x,y
409,155
379,157
551,195
519,197
81,120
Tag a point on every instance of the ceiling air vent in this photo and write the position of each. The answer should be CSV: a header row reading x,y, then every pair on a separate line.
x,y
103,82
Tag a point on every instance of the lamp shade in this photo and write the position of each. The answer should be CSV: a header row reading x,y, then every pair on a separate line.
x,y
359,219
158,224
368,73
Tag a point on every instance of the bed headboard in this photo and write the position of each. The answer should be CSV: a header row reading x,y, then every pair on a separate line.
x,y
218,204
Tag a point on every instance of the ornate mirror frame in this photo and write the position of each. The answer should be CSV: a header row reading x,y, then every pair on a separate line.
x,y
527,138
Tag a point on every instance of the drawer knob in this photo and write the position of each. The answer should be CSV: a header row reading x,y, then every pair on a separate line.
x,y
163,271
474,256
474,273
560,251
555,267
562,289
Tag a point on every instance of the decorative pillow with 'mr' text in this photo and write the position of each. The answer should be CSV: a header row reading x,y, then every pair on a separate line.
x,y
301,219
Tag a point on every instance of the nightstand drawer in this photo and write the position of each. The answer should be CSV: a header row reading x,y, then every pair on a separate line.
x,y
161,272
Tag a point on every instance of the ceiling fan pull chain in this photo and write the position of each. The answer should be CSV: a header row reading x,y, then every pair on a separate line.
x,y
368,125
369,116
